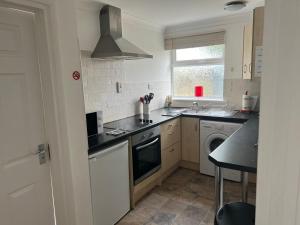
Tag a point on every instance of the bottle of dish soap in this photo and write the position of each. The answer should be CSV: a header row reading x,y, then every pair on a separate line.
x,y
246,102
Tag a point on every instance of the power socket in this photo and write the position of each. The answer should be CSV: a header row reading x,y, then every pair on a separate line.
x,y
119,87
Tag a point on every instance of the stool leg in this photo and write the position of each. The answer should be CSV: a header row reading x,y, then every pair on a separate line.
x,y
218,188
245,187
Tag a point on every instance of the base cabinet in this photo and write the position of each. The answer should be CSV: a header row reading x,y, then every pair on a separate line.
x,y
170,133
170,146
190,139
171,157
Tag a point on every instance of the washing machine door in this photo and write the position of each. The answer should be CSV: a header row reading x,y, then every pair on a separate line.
x,y
213,141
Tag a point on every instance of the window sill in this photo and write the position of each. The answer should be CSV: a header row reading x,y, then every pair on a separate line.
x,y
188,102
221,100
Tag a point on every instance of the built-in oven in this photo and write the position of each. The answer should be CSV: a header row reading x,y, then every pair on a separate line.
x,y
146,154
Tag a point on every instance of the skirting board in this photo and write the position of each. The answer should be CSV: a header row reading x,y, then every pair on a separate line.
x,y
141,189
189,165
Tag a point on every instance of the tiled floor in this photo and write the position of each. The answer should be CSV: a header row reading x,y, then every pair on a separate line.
x,y
185,198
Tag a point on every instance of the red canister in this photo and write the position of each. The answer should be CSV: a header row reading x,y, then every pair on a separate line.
x,y
198,91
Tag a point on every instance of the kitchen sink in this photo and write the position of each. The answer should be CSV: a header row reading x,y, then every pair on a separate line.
x,y
174,112
217,112
214,112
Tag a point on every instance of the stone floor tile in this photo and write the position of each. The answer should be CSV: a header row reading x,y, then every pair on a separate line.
x,y
203,202
194,213
154,200
162,218
146,211
182,220
209,217
174,207
186,197
132,219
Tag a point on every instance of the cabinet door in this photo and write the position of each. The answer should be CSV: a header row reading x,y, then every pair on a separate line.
x,y
170,157
258,33
190,139
170,133
247,54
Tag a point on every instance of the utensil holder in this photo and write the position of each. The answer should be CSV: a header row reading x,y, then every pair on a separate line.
x,y
146,109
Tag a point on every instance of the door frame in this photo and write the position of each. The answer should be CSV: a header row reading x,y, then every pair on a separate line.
x,y
66,195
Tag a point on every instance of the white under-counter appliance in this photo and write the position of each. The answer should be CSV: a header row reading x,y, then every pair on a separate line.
x,y
109,174
213,134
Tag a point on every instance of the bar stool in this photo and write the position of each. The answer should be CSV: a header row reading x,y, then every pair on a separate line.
x,y
236,213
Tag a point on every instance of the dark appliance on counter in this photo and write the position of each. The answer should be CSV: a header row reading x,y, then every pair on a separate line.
x,y
146,154
94,123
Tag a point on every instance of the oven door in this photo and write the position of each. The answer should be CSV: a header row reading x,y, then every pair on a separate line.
x,y
146,159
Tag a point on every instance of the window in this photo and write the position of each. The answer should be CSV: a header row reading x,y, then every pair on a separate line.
x,y
200,66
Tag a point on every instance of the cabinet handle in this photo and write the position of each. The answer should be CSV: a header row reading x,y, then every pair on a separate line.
x,y
250,67
171,133
172,150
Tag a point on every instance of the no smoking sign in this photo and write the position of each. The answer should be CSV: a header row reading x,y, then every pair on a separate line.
x,y
76,75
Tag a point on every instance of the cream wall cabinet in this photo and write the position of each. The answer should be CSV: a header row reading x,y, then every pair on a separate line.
x,y
247,53
253,38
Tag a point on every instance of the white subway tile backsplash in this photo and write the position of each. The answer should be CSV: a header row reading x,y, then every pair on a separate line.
x,y
235,88
99,83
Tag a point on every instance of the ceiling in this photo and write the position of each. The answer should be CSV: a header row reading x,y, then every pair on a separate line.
x,y
165,13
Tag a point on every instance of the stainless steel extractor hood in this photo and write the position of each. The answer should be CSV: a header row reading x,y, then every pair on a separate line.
x,y
112,45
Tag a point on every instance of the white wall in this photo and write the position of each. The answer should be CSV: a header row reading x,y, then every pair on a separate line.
x,y
234,85
278,192
99,78
67,132
69,103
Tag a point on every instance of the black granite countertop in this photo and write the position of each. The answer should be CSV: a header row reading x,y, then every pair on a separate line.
x,y
239,151
132,125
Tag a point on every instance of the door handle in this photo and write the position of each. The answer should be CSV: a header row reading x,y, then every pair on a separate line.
x,y
245,68
42,153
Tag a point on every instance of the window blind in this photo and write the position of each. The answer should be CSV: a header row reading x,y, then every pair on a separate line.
x,y
195,41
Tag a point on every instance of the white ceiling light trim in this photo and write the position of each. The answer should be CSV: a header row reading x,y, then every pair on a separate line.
x,y
235,5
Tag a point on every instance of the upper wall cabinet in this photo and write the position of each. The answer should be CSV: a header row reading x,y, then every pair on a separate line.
x,y
247,54
253,43
258,34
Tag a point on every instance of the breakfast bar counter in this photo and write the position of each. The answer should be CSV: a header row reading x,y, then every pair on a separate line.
x,y
238,152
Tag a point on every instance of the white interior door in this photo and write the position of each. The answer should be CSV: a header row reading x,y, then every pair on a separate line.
x,y
25,185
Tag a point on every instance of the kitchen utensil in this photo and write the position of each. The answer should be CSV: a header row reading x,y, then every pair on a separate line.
x,y
151,96
142,99
146,99
146,109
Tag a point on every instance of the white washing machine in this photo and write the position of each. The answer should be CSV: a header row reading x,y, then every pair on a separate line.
x,y
212,134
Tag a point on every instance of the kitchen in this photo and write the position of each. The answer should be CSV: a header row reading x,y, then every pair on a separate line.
x,y
167,135
200,126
